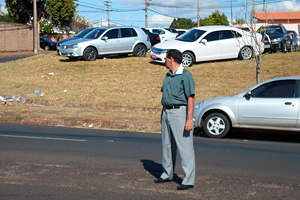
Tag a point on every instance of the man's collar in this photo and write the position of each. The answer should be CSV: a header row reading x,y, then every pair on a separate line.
x,y
179,71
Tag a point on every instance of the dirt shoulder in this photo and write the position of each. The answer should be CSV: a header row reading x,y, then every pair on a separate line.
x,y
40,112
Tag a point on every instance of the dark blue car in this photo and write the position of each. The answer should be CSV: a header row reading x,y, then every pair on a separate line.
x,y
276,38
47,44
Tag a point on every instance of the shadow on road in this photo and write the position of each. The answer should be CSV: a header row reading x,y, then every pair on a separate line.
x,y
155,170
259,135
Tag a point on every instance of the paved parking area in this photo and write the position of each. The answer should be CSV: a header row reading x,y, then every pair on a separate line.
x,y
10,56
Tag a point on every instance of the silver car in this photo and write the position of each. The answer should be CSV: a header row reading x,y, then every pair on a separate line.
x,y
272,104
107,41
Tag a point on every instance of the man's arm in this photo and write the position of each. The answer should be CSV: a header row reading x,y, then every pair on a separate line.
x,y
190,107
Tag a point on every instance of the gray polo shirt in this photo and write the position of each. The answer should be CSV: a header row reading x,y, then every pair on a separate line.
x,y
177,87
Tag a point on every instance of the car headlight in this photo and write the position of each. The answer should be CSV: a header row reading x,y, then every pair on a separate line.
x,y
276,39
73,46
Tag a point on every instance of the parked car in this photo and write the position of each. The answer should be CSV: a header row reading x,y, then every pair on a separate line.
x,y
154,37
272,104
47,44
210,43
294,40
78,35
276,38
181,31
164,34
172,30
107,41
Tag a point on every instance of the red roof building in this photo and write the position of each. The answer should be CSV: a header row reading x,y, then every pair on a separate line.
x,y
282,17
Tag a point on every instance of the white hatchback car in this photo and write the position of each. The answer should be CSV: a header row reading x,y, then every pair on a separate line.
x,y
164,34
107,41
211,43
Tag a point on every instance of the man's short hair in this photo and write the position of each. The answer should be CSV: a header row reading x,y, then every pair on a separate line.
x,y
175,54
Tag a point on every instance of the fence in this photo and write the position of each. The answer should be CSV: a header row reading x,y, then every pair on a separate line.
x,y
15,37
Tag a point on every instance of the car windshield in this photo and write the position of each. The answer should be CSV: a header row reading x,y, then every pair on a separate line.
x,y
271,30
83,32
94,34
191,36
47,39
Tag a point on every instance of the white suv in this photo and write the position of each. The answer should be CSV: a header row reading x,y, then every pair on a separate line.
x,y
107,41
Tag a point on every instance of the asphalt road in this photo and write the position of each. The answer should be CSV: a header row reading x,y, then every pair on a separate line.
x,y
39,162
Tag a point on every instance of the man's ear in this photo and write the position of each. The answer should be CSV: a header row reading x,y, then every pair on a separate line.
x,y
172,59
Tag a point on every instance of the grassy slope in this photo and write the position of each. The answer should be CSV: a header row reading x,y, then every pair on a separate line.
x,y
124,91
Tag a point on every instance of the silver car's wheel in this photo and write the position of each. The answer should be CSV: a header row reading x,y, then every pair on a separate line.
x,y
187,59
90,54
245,53
216,125
140,50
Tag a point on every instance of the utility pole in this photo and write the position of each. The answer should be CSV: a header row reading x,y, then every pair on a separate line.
x,y
198,13
35,41
107,5
146,13
245,11
231,10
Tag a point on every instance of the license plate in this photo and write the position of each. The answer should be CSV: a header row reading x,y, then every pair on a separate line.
x,y
267,46
153,57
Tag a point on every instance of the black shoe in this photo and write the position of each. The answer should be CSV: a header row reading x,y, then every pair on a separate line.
x,y
160,180
184,187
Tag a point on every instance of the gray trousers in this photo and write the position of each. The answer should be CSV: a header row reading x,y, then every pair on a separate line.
x,y
174,138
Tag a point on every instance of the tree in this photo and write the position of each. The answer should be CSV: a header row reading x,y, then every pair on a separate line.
x,y
22,10
239,21
215,19
61,12
182,23
6,18
46,27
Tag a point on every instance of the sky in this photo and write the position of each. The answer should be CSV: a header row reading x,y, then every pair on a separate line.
x,y
161,13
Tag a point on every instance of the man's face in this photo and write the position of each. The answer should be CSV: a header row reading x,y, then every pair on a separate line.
x,y
168,62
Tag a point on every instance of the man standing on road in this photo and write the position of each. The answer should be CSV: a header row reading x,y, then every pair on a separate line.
x,y
178,93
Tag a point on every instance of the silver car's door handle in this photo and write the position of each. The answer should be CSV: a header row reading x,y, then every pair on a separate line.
x,y
288,103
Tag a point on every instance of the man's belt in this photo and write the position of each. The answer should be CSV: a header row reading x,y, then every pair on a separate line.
x,y
173,107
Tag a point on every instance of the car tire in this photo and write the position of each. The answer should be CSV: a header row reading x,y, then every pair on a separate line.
x,y
47,48
216,125
245,53
90,54
140,50
187,59
284,50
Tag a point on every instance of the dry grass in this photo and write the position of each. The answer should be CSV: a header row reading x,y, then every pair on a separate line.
x,y
123,91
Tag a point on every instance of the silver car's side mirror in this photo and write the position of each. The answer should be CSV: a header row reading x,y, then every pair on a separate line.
x,y
104,38
248,95
204,41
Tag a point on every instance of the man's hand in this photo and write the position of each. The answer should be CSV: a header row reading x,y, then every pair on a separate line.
x,y
189,125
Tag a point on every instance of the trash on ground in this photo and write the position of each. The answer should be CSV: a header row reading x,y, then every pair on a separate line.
x,y
7,98
36,91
